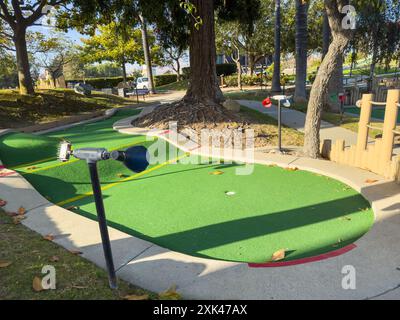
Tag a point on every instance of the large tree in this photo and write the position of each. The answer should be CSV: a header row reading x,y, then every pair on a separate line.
x,y
300,94
115,43
340,39
18,17
276,77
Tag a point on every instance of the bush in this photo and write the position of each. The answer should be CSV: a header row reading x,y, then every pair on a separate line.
x,y
231,81
225,69
111,82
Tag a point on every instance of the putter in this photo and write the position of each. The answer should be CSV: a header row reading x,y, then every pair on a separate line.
x,y
134,158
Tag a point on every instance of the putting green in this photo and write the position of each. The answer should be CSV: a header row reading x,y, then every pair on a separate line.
x,y
377,113
186,208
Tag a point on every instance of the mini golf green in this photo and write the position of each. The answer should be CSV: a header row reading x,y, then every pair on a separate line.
x,y
377,113
186,208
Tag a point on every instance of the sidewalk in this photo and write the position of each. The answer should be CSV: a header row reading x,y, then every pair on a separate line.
x,y
296,119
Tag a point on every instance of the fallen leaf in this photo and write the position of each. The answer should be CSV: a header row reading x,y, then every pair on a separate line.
x,y
170,294
37,284
17,219
217,173
31,168
2,203
72,208
292,169
279,255
48,237
133,297
121,175
345,218
54,259
75,252
5,264
371,181
11,214
21,211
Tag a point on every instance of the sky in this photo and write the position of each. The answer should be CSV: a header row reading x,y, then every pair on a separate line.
x,y
76,37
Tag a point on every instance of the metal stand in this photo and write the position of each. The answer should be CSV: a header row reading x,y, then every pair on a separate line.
x,y
102,224
279,127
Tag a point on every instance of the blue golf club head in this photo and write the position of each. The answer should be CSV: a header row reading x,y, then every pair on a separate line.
x,y
134,158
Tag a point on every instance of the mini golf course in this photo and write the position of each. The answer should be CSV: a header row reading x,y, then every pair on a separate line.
x,y
204,210
377,112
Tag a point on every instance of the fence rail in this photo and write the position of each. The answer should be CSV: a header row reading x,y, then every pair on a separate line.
x,y
378,156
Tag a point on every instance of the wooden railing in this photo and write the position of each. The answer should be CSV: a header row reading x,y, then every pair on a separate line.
x,y
376,156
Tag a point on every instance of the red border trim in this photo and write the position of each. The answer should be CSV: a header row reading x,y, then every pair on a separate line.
x,y
324,256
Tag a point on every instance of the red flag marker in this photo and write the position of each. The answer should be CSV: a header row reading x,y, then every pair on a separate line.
x,y
267,103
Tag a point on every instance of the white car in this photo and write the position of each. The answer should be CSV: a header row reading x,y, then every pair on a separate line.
x,y
142,83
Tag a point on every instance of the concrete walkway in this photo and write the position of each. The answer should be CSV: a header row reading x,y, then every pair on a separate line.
x,y
296,119
376,259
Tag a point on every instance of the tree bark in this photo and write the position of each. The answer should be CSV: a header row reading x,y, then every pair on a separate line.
x,y
335,87
341,38
276,78
203,85
147,56
300,94
23,66
178,70
326,35
123,65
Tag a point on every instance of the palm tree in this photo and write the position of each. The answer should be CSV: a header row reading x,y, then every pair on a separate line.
x,y
300,94
276,78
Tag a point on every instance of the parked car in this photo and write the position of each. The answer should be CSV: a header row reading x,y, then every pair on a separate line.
x,y
142,83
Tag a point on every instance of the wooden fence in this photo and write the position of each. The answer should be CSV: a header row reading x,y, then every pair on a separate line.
x,y
376,156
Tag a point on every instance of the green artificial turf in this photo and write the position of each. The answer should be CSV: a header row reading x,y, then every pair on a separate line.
x,y
18,149
377,113
185,208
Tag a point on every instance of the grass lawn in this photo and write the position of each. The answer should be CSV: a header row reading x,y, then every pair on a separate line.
x,y
76,277
18,111
176,86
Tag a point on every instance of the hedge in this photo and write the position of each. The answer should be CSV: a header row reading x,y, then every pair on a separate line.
x,y
225,69
101,83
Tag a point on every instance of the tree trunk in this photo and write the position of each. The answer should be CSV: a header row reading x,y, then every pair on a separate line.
x,y
203,86
124,70
335,87
252,62
372,71
178,70
23,66
300,94
276,78
239,76
326,35
319,90
147,56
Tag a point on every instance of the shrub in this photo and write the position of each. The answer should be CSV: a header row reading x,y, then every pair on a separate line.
x,y
111,82
226,69
231,81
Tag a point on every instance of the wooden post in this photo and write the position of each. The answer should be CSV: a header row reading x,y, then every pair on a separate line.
x,y
365,117
389,125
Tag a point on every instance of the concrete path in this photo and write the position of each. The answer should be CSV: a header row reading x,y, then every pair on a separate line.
x,y
376,259
296,119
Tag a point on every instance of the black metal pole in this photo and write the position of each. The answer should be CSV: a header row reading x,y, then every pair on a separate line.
x,y
103,224
279,126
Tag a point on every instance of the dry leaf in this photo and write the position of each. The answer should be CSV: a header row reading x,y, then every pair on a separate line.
x,y
37,284
136,298
79,287
2,203
11,214
292,169
121,175
54,259
72,208
48,237
75,252
278,255
217,173
31,168
21,211
170,294
5,264
18,219
371,181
